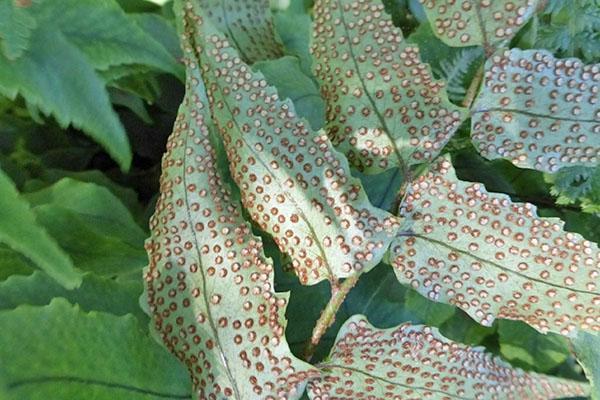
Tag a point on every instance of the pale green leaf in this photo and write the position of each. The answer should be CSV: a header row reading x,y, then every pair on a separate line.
x,y
538,111
248,25
209,286
489,23
587,347
524,346
95,294
294,26
294,184
16,25
287,76
495,258
20,230
384,107
45,77
60,352
416,362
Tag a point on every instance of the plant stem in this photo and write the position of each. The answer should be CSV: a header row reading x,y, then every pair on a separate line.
x,y
474,87
327,318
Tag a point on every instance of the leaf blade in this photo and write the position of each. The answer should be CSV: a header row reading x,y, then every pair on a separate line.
x,y
494,258
299,188
385,108
131,365
538,111
415,361
247,24
477,22
67,99
218,280
21,232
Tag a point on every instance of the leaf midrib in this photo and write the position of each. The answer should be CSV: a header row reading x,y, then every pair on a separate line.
x,y
536,115
355,370
203,275
380,117
287,194
499,266
93,382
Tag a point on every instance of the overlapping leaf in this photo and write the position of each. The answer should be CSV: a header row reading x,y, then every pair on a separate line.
x,y
60,352
20,230
16,25
384,107
538,111
295,185
416,362
209,285
478,22
587,348
494,258
248,25
53,65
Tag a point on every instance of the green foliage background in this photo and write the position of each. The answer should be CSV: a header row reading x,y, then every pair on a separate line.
x,y
89,91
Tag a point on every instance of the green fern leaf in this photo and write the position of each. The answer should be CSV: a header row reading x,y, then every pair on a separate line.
x,y
20,230
384,107
457,71
587,348
478,22
16,26
295,185
538,111
494,258
56,70
71,354
577,184
417,362
209,285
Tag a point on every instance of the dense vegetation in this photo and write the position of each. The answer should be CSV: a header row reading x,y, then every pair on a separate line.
x,y
351,199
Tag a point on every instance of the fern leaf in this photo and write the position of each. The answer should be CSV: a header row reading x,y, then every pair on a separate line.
x,y
209,285
538,111
456,71
494,258
384,107
16,27
247,24
295,185
417,362
478,22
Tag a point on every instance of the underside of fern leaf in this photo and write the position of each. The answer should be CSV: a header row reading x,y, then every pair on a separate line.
x,y
416,362
384,107
248,25
538,111
294,184
478,22
494,258
209,285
